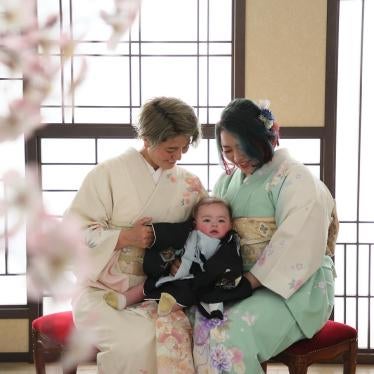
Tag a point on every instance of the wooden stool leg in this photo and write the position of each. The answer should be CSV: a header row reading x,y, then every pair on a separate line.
x,y
39,363
297,366
264,366
72,370
38,354
349,359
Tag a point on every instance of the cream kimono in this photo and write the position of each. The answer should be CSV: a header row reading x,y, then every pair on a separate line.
x,y
114,195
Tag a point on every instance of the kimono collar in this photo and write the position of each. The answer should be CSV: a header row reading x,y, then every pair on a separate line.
x,y
280,155
156,174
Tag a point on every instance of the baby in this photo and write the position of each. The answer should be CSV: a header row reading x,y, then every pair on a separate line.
x,y
210,263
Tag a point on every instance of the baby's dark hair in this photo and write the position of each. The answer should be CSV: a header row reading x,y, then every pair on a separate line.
x,y
208,201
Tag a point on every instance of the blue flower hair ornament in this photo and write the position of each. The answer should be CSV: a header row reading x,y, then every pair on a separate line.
x,y
266,116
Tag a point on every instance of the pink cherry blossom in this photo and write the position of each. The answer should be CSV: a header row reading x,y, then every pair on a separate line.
x,y
80,77
26,50
122,18
80,348
23,118
55,249
22,200
16,15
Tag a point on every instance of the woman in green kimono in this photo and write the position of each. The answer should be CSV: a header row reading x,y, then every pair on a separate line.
x,y
287,223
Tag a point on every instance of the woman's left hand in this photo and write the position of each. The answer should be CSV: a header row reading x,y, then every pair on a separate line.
x,y
255,283
140,235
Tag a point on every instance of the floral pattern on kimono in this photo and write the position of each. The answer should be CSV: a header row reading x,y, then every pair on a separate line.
x,y
173,339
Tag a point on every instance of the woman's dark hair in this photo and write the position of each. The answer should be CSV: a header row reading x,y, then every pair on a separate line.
x,y
241,118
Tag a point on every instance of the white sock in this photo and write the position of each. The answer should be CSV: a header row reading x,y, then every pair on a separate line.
x,y
115,300
121,300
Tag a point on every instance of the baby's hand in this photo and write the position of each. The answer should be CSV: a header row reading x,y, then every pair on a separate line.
x,y
175,266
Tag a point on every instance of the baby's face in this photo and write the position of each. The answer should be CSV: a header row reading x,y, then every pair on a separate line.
x,y
213,220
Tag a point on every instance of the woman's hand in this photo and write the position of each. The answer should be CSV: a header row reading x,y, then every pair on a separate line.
x,y
255,283
140,235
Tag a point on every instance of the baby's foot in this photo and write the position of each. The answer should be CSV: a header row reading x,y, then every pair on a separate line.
x,y
211,310
166,304
115,300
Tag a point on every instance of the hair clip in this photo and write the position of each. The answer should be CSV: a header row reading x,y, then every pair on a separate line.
x,y
266,116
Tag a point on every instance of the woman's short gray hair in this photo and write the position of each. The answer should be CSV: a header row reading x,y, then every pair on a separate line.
x,y
163,118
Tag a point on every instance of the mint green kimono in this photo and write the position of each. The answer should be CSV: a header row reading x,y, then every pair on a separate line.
x,y
293,212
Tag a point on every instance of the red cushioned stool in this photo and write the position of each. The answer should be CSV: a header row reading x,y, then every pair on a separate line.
x,y
49,338
333,340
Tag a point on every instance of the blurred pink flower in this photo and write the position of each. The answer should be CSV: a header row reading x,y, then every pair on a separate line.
x,y
16,15
22,199
26,49
80,348
80,77
124,15
14,47
41,36
56,248
39,71
81,343
23,118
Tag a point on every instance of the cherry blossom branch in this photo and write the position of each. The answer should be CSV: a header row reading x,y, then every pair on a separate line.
x,y
25,49
121,19
53,245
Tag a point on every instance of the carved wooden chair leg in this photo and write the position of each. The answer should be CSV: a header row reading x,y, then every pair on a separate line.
x,y
298,367
349,359
264,366
50,335
38,355
72,370
334,340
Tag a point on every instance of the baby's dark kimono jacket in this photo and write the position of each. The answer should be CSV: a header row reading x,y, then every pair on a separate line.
x,y
220,280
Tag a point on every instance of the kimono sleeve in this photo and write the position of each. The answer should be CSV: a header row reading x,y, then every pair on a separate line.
x,y
221,185
171,234
167,235
303,207
93,205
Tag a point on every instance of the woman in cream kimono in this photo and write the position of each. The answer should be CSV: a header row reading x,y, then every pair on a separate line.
x,y
287,223
115,202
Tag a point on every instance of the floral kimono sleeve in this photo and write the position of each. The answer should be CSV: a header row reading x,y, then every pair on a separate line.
x,y
303,207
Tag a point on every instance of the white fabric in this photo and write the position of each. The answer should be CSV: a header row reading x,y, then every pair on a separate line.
x,y
156,174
